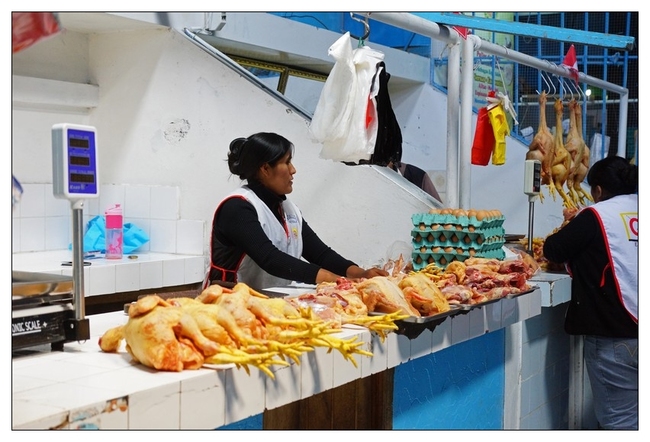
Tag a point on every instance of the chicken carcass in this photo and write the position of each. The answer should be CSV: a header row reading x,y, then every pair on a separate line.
x,y
561,159
381,294
161,336
582,167
423,294
572,145
541,148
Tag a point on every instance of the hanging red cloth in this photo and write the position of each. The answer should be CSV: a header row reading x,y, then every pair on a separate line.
x,y
28,28
484,140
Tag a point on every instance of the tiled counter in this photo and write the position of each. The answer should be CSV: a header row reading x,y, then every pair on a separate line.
x,y
83,387
555,287
105,276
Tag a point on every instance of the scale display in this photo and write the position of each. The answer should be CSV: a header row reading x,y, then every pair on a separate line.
x,y
74,161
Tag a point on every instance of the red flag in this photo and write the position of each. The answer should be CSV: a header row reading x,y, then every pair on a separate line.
x,y
571,62
461,30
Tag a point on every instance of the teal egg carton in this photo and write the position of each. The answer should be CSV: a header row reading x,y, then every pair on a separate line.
x,y
443,259
433,221
443,238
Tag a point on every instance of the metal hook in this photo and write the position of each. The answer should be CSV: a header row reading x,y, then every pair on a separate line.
x,y
543,75
562,82
578,89
366,27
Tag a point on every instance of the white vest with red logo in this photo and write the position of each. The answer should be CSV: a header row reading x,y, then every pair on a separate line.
x,y
619,219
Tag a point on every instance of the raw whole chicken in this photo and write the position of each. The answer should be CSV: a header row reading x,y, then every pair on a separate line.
x,y
382,294
561,159
541,148
582,167
572,145
423,294
161,336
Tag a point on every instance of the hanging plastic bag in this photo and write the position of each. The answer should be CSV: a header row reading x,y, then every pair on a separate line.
x,y
332,112
339,121
483,139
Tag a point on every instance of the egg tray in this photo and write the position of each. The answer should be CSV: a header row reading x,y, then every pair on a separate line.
x,y
434,220
421,260
457,238
459,249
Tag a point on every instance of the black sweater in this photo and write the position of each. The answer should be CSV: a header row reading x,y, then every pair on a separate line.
x,y
594,308
236,231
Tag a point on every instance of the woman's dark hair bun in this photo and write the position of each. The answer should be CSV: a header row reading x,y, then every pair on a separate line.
x,y
234,155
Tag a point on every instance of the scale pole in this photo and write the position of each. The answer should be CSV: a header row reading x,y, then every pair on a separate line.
x,y
77,329
532,187
78,259
531,217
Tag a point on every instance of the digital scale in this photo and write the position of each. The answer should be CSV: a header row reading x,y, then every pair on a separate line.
x,y
532,188
48,308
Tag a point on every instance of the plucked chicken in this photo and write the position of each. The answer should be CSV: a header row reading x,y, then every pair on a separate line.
x,y
541,148
382,294
161,336
561,159
423,294
582,161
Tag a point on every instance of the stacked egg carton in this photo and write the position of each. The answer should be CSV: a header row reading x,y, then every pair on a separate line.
x,y
443,236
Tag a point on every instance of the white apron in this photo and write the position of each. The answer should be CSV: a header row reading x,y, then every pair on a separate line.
x,y
287,238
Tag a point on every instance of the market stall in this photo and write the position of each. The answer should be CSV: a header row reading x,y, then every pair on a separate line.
x,y
83,386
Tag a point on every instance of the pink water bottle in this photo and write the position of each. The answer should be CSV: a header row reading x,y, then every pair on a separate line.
x,y
114,232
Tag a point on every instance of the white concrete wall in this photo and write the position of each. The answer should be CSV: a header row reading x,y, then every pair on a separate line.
x,y
167,111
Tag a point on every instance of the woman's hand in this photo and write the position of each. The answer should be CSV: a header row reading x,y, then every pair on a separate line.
x,y
357,272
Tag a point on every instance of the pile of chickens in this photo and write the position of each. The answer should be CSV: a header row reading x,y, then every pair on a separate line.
x,y
244,327
229,326
565,162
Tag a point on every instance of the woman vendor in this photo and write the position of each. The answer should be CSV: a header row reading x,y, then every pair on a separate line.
x,y
258,235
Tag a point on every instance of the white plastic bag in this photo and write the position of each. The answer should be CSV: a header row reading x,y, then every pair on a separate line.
x,y
339,120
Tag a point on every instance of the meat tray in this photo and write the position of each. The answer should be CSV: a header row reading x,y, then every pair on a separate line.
x,y
413,326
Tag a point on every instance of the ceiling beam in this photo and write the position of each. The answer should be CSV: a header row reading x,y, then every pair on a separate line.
x,y
531,30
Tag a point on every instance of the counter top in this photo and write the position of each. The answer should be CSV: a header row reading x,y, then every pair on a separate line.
x,y
134,272
555,287
82,387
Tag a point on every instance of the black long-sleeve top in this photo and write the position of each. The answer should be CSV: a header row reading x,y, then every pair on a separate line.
x,y
595,308
236,231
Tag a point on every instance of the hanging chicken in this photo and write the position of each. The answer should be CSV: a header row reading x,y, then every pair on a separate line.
x,y
572,145
581,159
541,148
561,159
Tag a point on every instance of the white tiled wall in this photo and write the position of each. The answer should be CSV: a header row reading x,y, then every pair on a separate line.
x,y
545,373
43,223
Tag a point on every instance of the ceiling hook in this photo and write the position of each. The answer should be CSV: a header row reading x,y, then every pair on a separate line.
x,y
366,27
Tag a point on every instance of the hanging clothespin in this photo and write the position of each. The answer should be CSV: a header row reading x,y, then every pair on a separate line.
x,y
366,28
497,98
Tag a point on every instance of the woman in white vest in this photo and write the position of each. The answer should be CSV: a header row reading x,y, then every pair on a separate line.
x,y
259,237
600,249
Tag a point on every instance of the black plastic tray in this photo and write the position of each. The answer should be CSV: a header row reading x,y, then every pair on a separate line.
x,y
413,326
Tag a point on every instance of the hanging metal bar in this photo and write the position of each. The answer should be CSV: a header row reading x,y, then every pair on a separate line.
x,y
531,30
